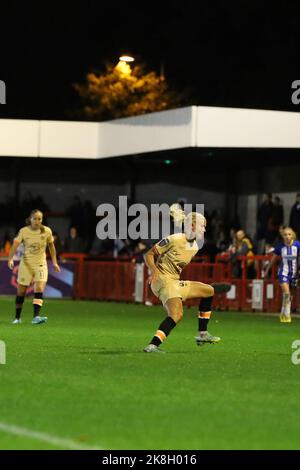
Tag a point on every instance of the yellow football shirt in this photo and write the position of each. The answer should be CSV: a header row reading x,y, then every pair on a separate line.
x,y
174,253
35,243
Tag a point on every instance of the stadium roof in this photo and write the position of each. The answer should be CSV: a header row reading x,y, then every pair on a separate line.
x,y
182,128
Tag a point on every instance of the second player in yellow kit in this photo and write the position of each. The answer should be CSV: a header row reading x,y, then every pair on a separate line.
x,y
33,265
35,237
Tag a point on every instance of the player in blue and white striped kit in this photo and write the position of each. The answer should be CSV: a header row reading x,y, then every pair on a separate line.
x,y
289,251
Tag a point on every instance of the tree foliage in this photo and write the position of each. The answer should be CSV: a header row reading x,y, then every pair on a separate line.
x,y
125,91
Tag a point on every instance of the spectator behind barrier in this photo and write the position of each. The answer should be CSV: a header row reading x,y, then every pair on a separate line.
x,y
139,251
76,214
101,247
5,244
279,237
122,247
295,216
276,219
264,216
58,244
243,247
74,243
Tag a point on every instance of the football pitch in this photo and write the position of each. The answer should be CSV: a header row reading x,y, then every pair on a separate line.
x,y
81,380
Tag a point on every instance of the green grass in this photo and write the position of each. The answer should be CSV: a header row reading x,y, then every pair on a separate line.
x,y
83,377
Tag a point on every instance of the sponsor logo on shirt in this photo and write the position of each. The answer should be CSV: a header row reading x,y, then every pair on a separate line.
x,y
164,242
34,248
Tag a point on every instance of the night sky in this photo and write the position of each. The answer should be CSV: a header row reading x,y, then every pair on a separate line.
x,y
240,53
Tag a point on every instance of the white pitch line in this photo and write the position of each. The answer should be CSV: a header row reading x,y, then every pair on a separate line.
x,y
44,437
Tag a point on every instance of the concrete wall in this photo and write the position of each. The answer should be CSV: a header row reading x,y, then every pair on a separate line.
x,y
174,129
249,128
91,140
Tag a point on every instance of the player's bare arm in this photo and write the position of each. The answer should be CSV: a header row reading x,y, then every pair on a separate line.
x,y
12,252
52,252
150,260
271,263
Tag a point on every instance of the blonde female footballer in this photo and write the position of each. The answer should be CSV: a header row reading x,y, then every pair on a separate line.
x,y
33,265
165,261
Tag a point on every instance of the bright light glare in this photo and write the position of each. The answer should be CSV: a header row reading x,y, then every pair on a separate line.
x,y
123,68
126,58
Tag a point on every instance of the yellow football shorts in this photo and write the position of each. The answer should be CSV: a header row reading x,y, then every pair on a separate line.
x,y
28,273
166,289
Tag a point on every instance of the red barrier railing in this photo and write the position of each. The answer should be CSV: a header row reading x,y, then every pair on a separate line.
x,y
105,280
259,263
115,280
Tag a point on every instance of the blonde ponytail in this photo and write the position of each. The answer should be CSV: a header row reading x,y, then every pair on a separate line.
x,y
177,214
188,220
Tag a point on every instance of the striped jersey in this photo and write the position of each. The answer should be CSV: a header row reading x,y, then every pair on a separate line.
x,y
289,258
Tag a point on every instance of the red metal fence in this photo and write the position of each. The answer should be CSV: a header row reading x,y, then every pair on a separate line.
x,y
105,280
115,280
102,279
